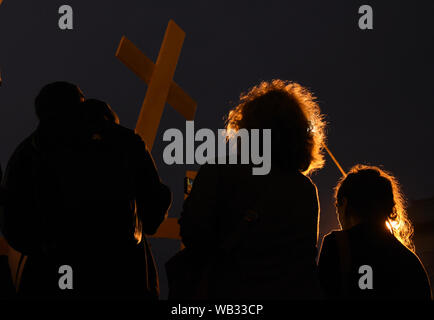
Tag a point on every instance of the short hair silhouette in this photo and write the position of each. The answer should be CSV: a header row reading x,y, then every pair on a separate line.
x,y
374,195
55,100
295,120
97,110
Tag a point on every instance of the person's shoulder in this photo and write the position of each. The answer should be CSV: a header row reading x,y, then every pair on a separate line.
x,y
304,184
122,131
21,156
411,258
307,181
126,135
26,147
212,169
333,235
411,266
329,241
339,238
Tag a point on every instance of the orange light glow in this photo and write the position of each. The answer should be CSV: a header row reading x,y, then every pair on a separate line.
x,y
392,225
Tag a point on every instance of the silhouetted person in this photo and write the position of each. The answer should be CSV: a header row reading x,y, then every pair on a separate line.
x,y
254,236
83,190
373,256
7,289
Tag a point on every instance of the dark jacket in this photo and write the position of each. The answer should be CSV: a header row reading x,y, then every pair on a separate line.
x,y
7,289
255,236
72,200
397,273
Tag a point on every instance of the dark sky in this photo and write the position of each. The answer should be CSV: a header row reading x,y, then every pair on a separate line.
x,y
375,86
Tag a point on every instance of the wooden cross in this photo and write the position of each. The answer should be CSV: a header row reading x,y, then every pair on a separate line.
x,y
158,77
161,89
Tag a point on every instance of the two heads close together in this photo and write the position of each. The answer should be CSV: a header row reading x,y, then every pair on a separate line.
x,y
63,106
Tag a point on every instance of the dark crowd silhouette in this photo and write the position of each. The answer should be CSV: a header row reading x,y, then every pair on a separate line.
x,y
83,191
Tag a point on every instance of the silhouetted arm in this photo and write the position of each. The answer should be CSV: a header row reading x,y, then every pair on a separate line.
x,y
153,197
198,221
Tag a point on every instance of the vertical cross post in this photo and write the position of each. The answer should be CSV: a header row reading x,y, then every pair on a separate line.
x,y
161,89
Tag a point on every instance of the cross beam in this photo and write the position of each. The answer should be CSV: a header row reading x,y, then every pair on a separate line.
x,y
159,78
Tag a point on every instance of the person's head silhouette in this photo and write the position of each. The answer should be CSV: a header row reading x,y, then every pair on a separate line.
x,y
58,107
97,111
58,102
368,194
294,117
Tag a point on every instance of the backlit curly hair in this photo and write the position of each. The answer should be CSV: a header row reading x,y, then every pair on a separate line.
x,y
375,194
293,115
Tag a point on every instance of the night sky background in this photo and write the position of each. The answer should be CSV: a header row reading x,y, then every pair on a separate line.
x,y
375,86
